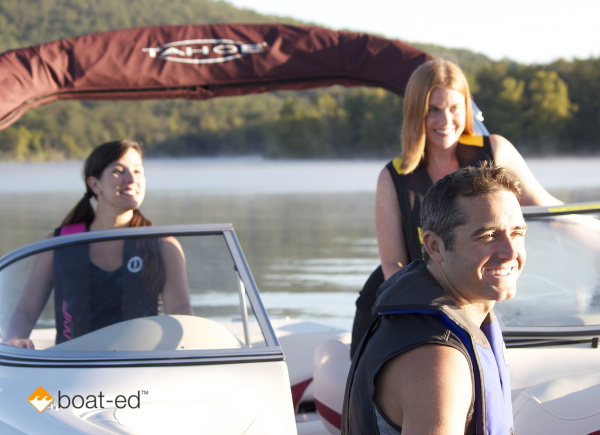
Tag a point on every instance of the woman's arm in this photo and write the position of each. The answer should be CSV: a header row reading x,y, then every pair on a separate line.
x,y
388,226
506,155
175,294
33,298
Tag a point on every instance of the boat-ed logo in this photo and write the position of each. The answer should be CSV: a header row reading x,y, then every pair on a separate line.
x,y
203,51
40,399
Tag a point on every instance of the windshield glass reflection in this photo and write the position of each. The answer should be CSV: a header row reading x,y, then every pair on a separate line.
x,y
560,284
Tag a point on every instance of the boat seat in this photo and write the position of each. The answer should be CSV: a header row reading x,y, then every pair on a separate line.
x,y
562,406
176,332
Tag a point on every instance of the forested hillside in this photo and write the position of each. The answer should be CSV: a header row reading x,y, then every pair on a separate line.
x,y
30,22
541,108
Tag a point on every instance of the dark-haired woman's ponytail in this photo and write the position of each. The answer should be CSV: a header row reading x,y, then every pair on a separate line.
x,y
82,212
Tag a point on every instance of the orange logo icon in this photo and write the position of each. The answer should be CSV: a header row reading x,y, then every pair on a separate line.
x,y
40,399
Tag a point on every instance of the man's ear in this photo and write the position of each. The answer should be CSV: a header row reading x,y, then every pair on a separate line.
x,y
433,244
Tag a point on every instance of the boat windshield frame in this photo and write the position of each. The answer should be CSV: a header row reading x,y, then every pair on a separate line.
x,y
270,351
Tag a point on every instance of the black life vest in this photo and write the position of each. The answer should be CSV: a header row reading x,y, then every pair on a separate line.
x,y
412,311
411,188
72,287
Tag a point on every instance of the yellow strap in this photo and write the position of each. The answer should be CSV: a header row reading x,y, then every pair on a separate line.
x,y
471,139
570,208
397,162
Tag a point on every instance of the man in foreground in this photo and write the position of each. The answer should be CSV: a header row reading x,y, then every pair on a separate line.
x,y
433,362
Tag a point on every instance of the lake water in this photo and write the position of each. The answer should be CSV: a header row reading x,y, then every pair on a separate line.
x,y
306,227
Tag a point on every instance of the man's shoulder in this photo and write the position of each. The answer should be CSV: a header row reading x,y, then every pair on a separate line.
x,y
409,331
435,358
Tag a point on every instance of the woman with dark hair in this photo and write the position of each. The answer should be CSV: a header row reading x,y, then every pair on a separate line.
x,y
103,283
438,137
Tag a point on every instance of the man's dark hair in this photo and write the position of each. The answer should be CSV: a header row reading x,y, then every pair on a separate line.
x,y
440,211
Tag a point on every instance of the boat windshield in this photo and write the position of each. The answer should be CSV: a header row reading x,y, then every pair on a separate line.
x,y
139,289
560,284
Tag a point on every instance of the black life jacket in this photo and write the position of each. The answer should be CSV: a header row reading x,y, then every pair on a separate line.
x,y
72,286
411,188
412,311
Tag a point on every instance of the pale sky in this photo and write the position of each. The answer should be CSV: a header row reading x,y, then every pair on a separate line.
x,y
528,31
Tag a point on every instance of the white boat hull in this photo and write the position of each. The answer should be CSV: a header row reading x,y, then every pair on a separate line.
x,y
156,400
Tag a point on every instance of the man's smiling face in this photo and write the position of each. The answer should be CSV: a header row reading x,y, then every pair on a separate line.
x,y
489,249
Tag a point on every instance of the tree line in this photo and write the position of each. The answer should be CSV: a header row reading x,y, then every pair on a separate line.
x,y
552,109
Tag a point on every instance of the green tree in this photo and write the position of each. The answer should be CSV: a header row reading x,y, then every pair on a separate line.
x,y
334,125
375,119
510,105
549,109
583,80
498,92
299,131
